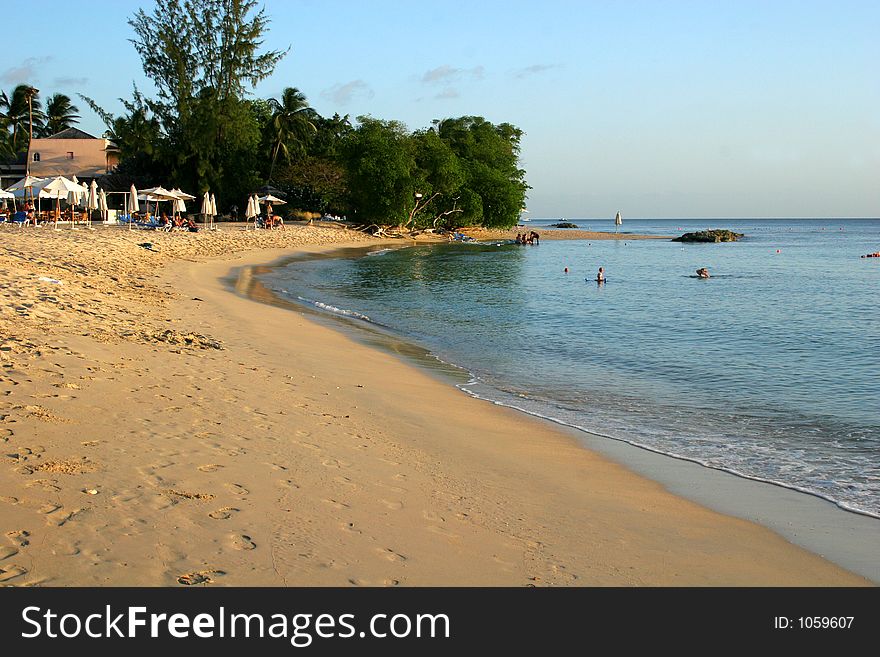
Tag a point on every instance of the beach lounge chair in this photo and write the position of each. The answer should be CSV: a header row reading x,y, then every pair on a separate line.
x,y
21,218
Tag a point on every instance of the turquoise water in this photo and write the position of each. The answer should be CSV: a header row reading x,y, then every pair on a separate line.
x,y
769,369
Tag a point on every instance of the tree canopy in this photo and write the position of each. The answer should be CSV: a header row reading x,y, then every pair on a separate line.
x,y
201,131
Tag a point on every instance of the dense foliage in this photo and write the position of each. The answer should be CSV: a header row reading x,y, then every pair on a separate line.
x,y
201,132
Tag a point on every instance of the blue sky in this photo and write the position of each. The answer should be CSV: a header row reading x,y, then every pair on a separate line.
x,y
657,109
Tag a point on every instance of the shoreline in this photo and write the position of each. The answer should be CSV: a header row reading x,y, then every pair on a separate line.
x,y
801,517
163,431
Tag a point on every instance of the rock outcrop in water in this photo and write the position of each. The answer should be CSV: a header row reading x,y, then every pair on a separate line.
x,y
564,224
709,236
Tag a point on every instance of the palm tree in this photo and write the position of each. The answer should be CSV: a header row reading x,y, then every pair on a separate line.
x,y
60,114
23,112
291,125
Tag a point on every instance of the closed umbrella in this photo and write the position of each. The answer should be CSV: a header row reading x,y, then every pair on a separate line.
x,y
102,205
72,201
213,209
206,207
618,220
92,203
249,209
133,205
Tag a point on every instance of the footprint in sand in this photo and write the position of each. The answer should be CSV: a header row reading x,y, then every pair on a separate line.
x,y
336,504
242,542
60,517
390,554
223,514
435,529
210,467
392,504
335,463
357,581
200,577
8,499
6,552
345,481
19,537
237,489
11,572
48,485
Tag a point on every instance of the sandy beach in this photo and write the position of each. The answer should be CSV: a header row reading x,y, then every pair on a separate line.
x,y
158,429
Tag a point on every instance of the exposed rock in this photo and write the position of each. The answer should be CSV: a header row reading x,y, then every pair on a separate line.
x,y
564,224
716,235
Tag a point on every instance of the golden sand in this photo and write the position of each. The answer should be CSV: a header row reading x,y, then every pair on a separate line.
x,y
157,429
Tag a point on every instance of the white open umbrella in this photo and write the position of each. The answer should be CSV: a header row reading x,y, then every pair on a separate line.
x,y
62,187
268,198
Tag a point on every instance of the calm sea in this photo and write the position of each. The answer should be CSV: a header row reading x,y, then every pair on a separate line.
x,y
770,369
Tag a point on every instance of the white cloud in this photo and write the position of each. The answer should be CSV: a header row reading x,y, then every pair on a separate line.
x,y
25,72
447,73
447,94
71,82
534,69
344,93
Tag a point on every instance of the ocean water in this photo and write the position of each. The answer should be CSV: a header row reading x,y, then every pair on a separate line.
x,y
770,369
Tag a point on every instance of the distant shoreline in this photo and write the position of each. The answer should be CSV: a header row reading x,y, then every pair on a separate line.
x,y
556,234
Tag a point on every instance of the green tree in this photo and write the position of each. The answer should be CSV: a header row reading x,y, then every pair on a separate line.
x,y
379,162
60,115
136,133
19,110
316,184
330,135
291,127
202,56
490,158
438,177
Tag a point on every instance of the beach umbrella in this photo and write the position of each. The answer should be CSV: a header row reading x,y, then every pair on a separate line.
x,y
183,195
206,207
72,201
61,187
92,202
21,188
213,209
133,205
5,194
618,220
268,198
158,194
249,212
102,205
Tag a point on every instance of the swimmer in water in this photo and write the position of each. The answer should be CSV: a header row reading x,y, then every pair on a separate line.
x,y
702,272
600,277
